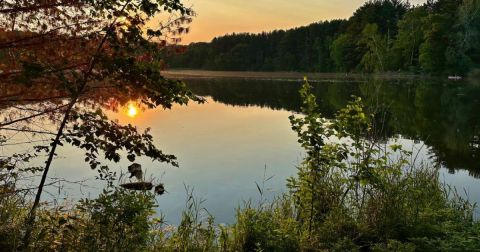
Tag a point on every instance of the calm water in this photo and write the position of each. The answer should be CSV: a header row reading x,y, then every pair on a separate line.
x,y
227,144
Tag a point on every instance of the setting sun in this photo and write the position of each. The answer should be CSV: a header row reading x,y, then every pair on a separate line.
x,y
132,110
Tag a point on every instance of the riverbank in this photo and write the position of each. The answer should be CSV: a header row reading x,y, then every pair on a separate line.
x,y
196,74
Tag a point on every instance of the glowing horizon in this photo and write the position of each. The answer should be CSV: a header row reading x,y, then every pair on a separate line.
x,y
219,17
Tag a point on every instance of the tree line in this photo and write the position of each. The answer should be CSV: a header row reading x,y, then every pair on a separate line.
x,y
438,37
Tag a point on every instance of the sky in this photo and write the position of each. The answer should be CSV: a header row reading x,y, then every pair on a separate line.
x,y
220,17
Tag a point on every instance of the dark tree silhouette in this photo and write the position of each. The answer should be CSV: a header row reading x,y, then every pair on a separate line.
x,y
60,58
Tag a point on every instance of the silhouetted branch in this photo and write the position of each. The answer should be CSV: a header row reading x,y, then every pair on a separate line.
x,y
29,131
31,116
38,7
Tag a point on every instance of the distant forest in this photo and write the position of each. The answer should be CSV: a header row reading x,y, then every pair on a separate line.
x,y
438,37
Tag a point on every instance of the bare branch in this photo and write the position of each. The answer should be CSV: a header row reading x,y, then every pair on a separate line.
x,y
39,7
31,116
29,131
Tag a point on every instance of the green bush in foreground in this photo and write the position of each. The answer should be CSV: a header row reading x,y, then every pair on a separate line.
x,y
353,192
116,221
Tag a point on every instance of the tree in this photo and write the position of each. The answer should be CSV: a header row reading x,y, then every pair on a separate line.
x,y
467,47
375,59
432,51
410,37
384,13
438,37
437,53
57,54
343,53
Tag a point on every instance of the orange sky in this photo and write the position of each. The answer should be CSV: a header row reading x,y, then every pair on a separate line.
x,y
219,17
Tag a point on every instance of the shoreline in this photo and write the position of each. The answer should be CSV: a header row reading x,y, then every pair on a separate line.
x,y
208,74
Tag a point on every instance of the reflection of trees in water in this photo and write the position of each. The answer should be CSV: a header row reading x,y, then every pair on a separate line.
x,y
272,94
445,115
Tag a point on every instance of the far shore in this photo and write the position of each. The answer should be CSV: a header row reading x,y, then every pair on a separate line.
x,y
196,74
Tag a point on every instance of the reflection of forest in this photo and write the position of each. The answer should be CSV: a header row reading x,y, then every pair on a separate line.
x,y
445,115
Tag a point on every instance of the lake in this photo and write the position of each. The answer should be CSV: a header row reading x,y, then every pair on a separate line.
x,y
242,135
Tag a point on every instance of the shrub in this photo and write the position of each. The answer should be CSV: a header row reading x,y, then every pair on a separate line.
x,y
269,227
354,190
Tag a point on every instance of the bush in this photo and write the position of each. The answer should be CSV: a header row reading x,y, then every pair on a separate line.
x,y
117,220
266,228
356,191
12,215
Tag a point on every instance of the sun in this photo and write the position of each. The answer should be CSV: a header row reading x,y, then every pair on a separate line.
x,y
132,110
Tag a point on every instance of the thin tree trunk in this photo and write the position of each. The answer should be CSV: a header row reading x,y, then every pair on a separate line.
x,y
31,217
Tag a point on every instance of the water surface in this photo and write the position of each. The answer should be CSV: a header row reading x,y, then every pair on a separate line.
x,y
242,134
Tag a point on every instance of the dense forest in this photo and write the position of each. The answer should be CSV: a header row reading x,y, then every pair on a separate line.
x,y
438,37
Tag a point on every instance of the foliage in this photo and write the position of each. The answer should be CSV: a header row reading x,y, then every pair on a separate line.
x,y
116,221
354,192
301,49
432,51
196,231
77,48
343,53
12,217
410,37
438,37
270,227
93,132
58,54
375,58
